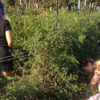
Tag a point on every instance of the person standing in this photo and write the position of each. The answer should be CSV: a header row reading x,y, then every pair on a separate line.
x,y
6,44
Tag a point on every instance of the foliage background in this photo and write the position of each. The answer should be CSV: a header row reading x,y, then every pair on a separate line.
x,y
45,4
49,51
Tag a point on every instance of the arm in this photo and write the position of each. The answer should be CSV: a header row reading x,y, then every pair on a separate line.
x,y
99,87
96,77
94,80
9,38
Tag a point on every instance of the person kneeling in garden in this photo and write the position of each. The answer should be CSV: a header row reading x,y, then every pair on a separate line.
x,y
93,67
6,44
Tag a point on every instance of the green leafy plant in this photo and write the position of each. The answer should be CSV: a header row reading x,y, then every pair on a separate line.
x,y
49,51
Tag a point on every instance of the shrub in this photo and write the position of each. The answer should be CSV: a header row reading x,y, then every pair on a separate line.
x,y
50,50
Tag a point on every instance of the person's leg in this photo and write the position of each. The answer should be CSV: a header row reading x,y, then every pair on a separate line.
x,y
13,73
10,73
7,68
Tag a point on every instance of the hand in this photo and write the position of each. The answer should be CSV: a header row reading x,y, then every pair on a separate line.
x,y
11,50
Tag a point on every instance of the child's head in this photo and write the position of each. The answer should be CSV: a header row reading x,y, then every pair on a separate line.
x,y
88,65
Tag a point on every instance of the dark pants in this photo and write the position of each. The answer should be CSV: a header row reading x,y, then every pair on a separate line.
x,y
6,62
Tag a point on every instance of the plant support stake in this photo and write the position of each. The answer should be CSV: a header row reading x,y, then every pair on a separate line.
x,y
84,7
57,7
20,6
84,3
79,5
